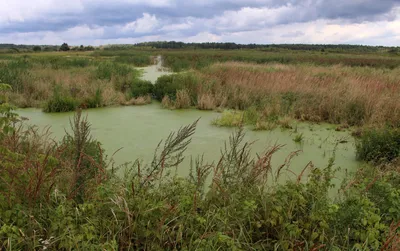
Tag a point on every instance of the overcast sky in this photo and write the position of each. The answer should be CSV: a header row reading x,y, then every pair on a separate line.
x,y
97,22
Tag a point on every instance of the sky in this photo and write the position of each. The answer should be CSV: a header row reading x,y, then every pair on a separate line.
x,y
101,22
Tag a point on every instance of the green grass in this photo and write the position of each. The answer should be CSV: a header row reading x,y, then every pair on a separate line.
x,y
379,145
298,138
229,118
60,102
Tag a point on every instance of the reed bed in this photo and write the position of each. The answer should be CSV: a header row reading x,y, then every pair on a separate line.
x,y
337,94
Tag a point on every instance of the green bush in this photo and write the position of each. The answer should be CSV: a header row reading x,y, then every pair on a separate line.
x,y
140,88
60,103
166,86
379,145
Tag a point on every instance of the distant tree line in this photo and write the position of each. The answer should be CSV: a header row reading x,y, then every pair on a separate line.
x,y
37,48
83,48
234,46
212,45
27,48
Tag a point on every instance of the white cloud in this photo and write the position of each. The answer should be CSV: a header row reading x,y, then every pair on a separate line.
x,y
145,24
248,18
83,31
23,10
177,27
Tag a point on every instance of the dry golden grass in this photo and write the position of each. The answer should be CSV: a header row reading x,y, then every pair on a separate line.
x,y
182,99
206,101
139,101
334,94
39,84
167,103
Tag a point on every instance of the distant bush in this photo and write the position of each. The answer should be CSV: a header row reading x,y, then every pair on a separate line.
x,y
64,47
379,145
140,88
60,103
37,48
166,86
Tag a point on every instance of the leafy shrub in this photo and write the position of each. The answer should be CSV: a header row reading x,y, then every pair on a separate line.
x,y
60,103
379,145
140,88
166,86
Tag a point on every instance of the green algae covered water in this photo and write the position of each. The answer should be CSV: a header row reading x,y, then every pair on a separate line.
x,y
138,130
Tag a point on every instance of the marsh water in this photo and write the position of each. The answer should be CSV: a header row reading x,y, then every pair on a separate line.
x,y
153,72
137,130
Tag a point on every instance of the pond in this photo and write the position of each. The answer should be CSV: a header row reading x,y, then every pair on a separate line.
x,y
139,129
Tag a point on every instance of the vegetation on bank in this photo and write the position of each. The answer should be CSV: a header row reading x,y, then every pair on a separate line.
x,y
181,60
301,87
65,195
270,93
59,84
379,145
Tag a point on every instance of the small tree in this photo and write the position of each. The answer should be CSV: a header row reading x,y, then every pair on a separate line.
x,y
37,48
64,47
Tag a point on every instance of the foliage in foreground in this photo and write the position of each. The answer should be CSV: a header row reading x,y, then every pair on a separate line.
x,y
61,196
